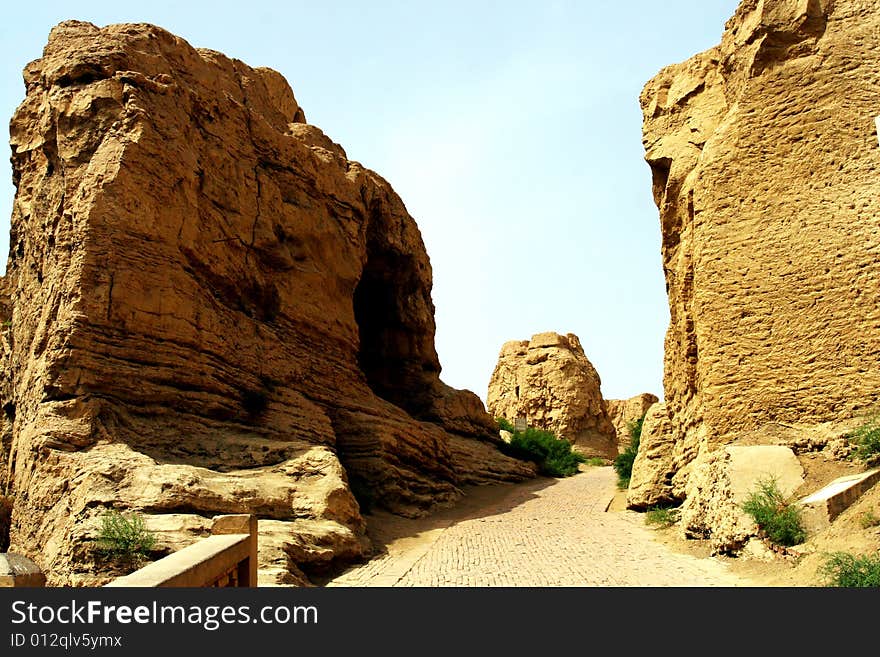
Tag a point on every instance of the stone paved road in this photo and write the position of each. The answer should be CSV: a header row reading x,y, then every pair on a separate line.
x,y
543,533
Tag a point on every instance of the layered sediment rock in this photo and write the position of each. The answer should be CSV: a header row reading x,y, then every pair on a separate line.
x,y
623,412
765,160
549,381
209,309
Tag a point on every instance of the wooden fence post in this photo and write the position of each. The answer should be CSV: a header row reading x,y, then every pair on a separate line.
x,y
243,523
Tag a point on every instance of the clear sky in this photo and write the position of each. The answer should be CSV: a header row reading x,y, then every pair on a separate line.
x,y
511,130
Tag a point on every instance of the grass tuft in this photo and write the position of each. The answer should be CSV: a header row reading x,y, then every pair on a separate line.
x,y
662,516
867,440
869,519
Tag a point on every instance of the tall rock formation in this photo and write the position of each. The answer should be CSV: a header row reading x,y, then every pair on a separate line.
x,y
209,309
623,412
766,172
549,381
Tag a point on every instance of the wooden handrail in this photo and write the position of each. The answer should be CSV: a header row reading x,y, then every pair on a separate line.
x,y
226,558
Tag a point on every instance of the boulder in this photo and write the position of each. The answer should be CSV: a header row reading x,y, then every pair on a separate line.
x,y
655,465
549,381
720,482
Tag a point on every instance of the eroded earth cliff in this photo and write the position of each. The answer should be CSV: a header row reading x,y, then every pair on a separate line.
x,y
209,309
766,171
623,412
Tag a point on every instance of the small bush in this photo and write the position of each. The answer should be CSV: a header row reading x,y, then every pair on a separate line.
x,y
623,462
869,519
562,464
781,520
595,460
867,440
848,570
125,539
662,516
504,425
553,455
623,465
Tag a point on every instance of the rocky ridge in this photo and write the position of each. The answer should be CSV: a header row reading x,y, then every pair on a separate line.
x,y
209,309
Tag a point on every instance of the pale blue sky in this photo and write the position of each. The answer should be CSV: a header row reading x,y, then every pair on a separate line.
x,y
511,130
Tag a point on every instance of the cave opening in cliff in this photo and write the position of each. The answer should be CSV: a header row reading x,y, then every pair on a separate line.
x,y
660,169
391,339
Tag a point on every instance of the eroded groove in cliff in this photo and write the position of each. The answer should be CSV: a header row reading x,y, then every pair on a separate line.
x,y
659,177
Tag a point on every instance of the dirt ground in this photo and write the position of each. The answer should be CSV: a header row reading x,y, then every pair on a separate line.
x,y
803,566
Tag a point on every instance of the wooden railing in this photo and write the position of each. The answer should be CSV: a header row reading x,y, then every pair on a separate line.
x,y
226,558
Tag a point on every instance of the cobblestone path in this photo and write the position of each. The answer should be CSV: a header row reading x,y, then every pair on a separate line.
x,y
543,533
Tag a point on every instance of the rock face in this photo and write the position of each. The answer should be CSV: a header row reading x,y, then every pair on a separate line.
x,y
764,156
549,381
659,469
209,309
621,412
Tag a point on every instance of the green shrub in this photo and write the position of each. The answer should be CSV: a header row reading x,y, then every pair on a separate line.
x,y
623,462
124,539
867,440
504,425
662,516
781,520
595,460
844,569
562,464
553,455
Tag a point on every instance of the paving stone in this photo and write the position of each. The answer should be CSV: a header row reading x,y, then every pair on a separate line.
x,y
559,535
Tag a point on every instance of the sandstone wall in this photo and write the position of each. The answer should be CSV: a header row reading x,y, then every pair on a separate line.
x,y
766,172
622,412
549,381
212,310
